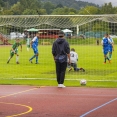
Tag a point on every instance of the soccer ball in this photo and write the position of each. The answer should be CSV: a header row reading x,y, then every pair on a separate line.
x,y
83,82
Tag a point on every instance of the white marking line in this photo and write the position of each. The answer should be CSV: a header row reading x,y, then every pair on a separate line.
x,y
98,107
55,79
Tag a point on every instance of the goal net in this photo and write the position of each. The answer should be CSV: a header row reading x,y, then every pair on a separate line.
x,y
83,32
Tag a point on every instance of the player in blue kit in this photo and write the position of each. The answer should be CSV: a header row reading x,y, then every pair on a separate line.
x,y
34,45
105,43
111,47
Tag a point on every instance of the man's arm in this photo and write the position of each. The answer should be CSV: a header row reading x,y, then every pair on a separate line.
x,y
68,52
32,41
102,42
31,44
69,61
13,48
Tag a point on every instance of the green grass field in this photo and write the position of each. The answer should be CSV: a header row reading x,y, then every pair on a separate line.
x,y
43,74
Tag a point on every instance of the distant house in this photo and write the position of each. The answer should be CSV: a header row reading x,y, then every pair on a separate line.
x,y
48,33
44,33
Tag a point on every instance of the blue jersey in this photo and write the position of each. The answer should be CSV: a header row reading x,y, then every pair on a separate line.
x,y
35,42
105,43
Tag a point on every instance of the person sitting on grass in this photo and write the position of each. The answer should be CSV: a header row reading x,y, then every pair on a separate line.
x,y
14,50
74,59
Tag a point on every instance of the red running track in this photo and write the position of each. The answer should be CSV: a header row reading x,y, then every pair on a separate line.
x,y
31,101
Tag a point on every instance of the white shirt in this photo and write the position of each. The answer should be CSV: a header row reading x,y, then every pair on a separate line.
x,y
34,38
73,57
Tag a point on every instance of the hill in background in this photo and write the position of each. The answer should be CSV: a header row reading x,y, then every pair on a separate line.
x,y
71,3
68,3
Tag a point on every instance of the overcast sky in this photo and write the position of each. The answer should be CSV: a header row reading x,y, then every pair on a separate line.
x,y
100,2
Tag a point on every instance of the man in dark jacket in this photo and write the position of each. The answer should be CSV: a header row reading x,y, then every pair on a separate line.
x,y
61,51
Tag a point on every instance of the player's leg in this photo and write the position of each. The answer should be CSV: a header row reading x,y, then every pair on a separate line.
x,y
37,54
11,55
32,56
17,56
110,53
28,46
106,58
82,69
75,67
37,58
62,69
105,55
58,72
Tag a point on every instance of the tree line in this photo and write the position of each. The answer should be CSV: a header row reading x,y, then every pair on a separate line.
x,y
53,7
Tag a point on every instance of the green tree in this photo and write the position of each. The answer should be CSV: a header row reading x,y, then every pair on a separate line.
x,y
76,4
64,11
107,8
28,4
29,12
101,26
49,7
88,10
34,12
2,3
16,9
59,6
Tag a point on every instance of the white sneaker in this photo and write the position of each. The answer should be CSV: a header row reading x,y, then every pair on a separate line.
x,y
58,85
61,86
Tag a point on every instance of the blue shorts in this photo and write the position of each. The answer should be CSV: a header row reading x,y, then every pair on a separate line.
x,y
35,50
105,51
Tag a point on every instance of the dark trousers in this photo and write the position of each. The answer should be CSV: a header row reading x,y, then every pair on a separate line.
x,y
60,71
74,65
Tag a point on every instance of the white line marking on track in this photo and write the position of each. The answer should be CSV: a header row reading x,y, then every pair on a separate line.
x,y
55,79
98,107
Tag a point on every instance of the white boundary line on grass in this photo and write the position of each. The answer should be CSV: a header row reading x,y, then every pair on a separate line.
x,y
98,107
55,79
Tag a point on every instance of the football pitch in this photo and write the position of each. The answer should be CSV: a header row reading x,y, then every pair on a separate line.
x,y
91,59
